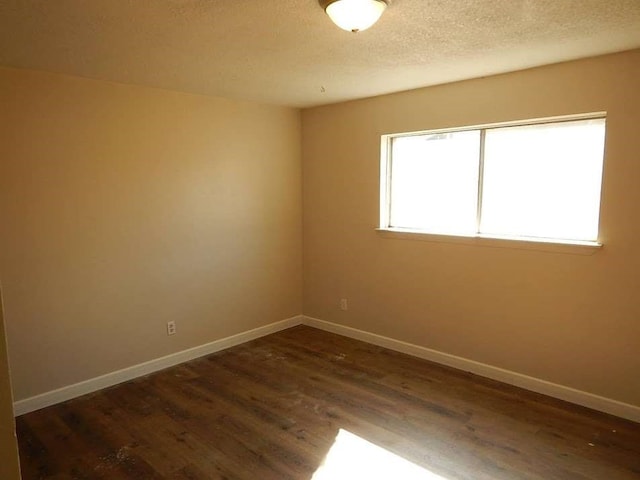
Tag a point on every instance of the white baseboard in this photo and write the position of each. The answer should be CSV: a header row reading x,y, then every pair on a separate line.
x,y
46,399
596,402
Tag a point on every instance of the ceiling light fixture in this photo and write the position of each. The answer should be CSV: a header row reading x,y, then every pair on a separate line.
x,y
354,15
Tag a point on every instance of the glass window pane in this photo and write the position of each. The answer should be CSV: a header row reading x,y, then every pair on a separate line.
x,y
434,182
544,180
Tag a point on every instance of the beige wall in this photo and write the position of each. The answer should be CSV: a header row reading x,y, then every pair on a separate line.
x,y
125,207
569,319
9,468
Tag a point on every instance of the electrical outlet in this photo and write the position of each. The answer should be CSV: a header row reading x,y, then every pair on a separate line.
x,y
344,304
171,328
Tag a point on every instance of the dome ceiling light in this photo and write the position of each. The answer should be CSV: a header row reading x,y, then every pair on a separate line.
x,y
354,15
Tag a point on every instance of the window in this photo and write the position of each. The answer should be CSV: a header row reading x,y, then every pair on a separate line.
x,y
524,181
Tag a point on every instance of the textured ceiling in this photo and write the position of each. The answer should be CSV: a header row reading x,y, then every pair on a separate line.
x,y
288,52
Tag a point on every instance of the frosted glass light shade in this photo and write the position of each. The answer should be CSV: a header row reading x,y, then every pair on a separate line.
x,y
355,15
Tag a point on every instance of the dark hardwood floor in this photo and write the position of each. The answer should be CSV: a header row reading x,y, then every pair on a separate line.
x,y
271,409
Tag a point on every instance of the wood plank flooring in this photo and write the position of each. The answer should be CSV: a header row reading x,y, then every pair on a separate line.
x,y
271,409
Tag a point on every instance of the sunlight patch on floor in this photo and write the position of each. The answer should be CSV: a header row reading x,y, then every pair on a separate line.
x,y
353,457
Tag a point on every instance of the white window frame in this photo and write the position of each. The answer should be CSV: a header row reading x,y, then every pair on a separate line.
x,y
533,243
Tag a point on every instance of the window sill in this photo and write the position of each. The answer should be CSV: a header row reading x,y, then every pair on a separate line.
x,y
574,247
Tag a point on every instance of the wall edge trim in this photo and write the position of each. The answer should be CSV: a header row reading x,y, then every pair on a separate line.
x,y
568,394
69,392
